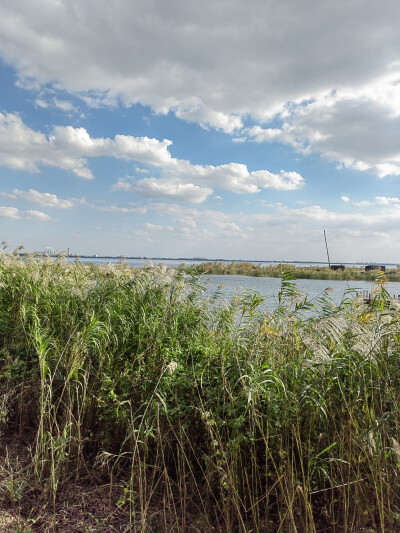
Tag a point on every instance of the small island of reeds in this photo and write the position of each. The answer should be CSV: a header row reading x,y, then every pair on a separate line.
x,y
129,402
242,268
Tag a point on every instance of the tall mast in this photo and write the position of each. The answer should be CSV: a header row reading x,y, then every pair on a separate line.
x,y
327,251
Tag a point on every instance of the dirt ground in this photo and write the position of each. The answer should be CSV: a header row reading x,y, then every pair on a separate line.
x,y
82,506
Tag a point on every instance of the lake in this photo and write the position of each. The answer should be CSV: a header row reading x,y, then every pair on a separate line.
x,y
267,287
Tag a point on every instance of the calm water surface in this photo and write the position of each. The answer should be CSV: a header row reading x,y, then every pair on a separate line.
x,y
269,287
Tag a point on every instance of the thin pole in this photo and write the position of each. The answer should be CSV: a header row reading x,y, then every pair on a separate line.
x,y
327,252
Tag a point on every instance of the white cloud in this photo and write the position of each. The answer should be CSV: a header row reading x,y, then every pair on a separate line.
x,y
345,198
39,102
196,111
64,105
234,177
363,203
259,134
67,147
13,212
9,212
184,182
44,199
385,200
285,181
25,149
154,227
32,214
77,141
46,100
161,188
231,176
381,214
121,209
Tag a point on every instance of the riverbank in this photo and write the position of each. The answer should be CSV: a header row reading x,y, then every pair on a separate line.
x,y
128,397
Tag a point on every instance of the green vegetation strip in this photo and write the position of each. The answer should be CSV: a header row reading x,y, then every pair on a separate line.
x,y
275,271
204,414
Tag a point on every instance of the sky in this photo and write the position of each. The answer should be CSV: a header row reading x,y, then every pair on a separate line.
x,y
219,129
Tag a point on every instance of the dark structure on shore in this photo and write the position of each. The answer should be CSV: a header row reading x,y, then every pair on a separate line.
x,y
382,268
337,267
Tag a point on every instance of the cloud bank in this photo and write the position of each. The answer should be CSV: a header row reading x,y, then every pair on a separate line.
x,y
334,74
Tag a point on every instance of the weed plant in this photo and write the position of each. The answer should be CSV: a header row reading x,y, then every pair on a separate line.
x,y
207,416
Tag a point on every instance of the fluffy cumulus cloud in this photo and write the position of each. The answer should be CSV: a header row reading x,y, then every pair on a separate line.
x,y
78,142
66,147
284,181
185,182
212,61
234,177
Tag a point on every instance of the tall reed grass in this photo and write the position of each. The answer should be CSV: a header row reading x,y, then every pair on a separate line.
x,y
207,415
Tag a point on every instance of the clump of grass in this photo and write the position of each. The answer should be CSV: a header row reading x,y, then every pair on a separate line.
x,y
215,417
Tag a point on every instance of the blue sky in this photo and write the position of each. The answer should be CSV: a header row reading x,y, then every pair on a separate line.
x,y
220,129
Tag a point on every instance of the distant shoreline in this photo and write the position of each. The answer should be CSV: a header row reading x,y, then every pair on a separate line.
x,y
220,260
